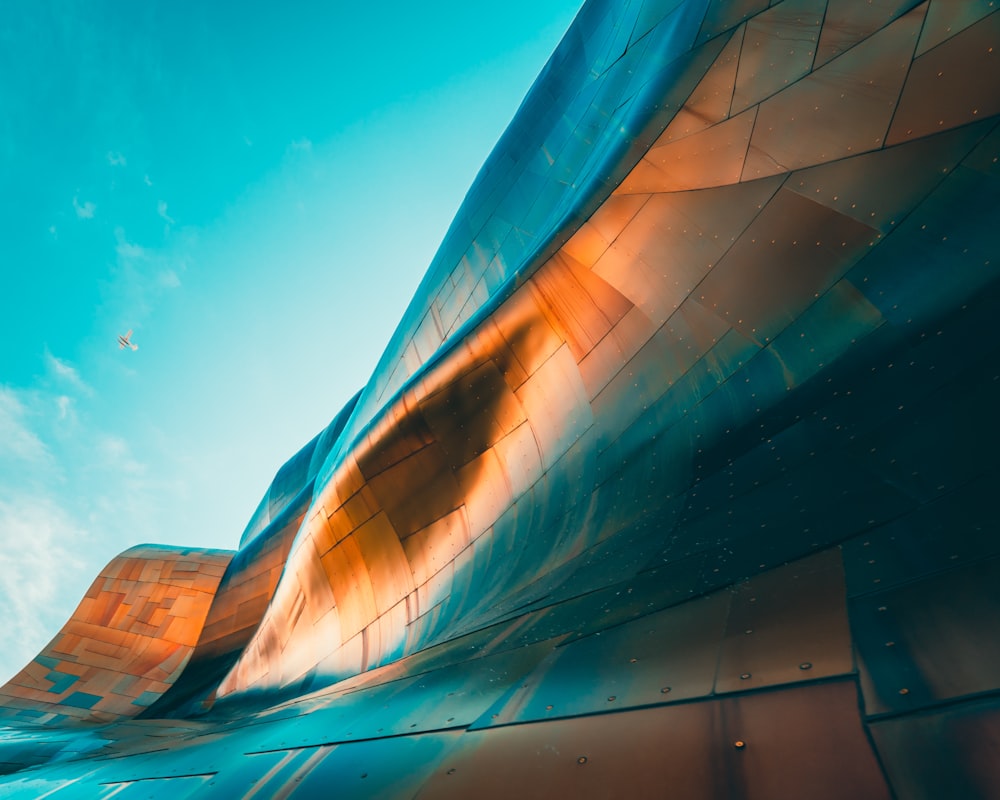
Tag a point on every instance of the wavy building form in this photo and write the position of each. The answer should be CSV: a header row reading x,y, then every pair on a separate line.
x,y
677,478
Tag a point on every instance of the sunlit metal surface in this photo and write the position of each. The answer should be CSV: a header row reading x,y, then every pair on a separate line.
x,y
676,478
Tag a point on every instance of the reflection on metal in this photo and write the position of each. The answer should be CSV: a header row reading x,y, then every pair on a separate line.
x,y
675,479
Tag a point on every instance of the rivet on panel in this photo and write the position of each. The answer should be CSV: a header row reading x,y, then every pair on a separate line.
x,y
581,760
451,771
739,744
805,665
745,676
548,708
612,698
665,690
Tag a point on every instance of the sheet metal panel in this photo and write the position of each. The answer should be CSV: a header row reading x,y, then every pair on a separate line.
x,y
930,641
802,742
787,625
948,752
664,657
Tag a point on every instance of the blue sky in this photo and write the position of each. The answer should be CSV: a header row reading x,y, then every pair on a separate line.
x,y
255,190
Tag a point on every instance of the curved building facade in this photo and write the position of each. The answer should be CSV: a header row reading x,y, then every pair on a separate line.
x,y
675,480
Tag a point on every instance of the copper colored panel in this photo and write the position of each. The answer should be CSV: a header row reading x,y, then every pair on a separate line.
x,y
615,213
843,108
579,305
386,562
557,406
124,626
949,752
417,491
778,48
774,271
956,83
615,350
787,625
879,189
710,101
929,641
946,19
428,550
651,753
352,587
527,333
675,239
804,742
714,156
848,22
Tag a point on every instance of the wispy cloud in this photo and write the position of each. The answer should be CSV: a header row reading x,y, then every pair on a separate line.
x,y
115,451
84,211
116,159
18,442
169,279
161,209
66,373
303,145
126,249
65,405
37,566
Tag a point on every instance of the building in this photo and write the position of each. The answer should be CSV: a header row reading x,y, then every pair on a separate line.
x,y
676,478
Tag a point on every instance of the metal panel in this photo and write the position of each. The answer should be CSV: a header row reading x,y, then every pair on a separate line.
x,y
787,625
950,752
450,697
955,83
778,48
382,768
841,109
663,657
803,742
929,641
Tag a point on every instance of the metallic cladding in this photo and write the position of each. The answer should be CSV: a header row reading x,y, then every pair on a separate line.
x,y
675,479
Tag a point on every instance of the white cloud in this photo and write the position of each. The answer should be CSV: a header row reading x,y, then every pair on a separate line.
x,y
116,159
161,209
147,180
85,211
65,405
117,455
130,250
126,249
18,442
39,580
169,279
66,373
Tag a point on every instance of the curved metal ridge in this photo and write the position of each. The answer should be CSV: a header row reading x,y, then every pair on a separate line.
x,y
675,479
